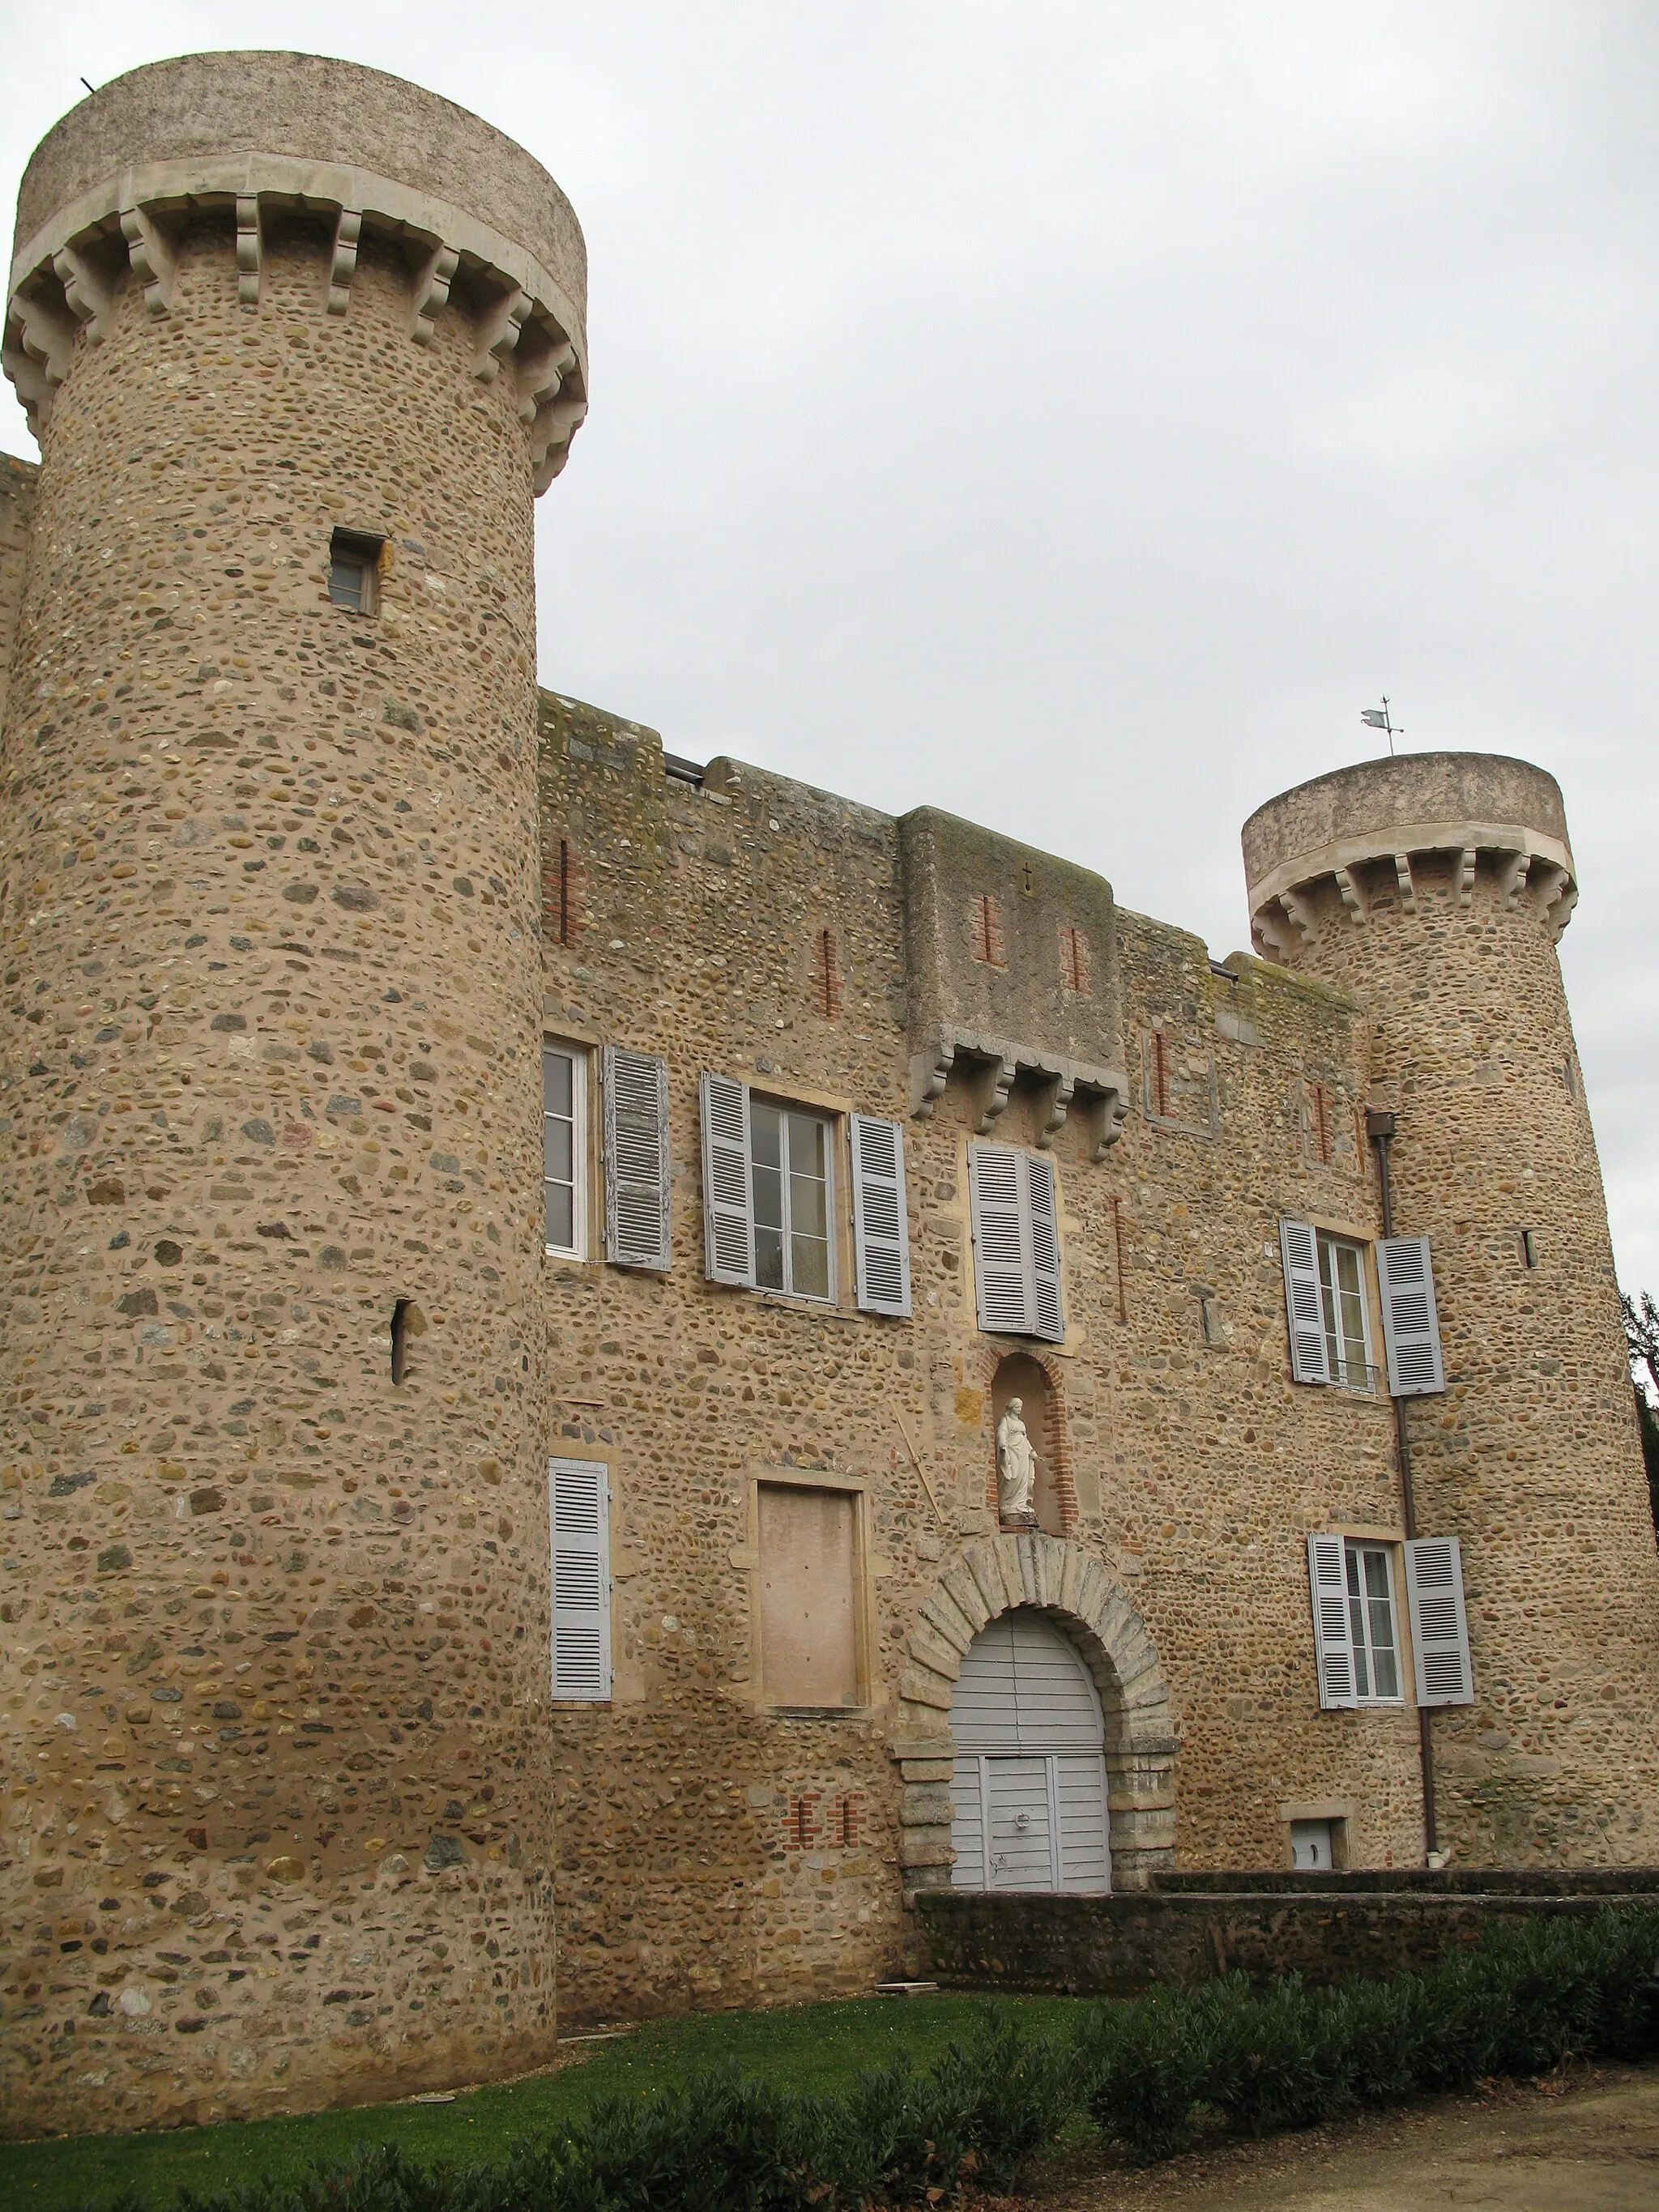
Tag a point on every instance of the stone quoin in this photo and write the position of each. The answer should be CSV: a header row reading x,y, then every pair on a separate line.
x,y
516,1248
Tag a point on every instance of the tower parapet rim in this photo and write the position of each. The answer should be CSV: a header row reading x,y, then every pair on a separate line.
x,y
253,137
1342,828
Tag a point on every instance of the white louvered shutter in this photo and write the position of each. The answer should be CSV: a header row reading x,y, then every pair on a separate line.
x,y
1041,1227
881,1228
727,1208
1001,1279
579,1498
1304,1308
1332,1640
635,1088
1411,1327
1440,1629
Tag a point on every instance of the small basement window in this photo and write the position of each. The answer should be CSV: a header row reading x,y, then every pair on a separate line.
x,y
354,563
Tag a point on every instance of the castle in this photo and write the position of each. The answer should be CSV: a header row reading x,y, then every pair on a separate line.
x,y
519,1251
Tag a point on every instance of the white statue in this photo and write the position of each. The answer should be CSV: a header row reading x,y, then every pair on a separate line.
x,y
1016,1465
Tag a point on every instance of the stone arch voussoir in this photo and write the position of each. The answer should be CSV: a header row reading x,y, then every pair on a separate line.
x,y
1070,1585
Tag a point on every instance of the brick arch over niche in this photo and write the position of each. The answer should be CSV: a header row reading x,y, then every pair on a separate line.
x,y
1003,1374
1072,1587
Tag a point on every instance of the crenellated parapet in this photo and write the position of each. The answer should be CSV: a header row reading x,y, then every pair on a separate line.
x,y
1320,858
507,257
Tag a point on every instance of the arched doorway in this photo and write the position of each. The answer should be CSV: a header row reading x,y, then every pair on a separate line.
x,y
1028,1788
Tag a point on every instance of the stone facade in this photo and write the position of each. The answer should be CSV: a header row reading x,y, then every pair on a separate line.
x,y
292,898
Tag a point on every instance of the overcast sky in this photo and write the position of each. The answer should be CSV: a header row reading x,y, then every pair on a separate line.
x,y
1072,416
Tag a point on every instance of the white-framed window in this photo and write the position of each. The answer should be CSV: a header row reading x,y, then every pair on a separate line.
x,y
564,1150
791,1178
1356,1622
1373,1629
1343,1304
1328,1309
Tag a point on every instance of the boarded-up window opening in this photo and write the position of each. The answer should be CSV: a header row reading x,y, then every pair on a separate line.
x,y
809,1582
1161,1074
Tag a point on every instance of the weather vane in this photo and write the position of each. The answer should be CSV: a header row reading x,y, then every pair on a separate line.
x,y
1376,718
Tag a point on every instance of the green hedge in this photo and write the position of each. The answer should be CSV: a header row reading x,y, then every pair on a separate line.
x,y
1145,2071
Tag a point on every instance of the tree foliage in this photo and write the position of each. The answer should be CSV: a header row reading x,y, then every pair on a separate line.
x,y
1641,1333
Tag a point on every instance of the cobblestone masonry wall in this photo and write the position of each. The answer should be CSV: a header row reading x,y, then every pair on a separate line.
x,y
276,1832
17,482
691,919
1531,1458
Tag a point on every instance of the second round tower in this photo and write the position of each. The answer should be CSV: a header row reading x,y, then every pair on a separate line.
x,y
1435,887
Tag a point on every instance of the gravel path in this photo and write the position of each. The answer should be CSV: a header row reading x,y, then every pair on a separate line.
x,y
1588,2144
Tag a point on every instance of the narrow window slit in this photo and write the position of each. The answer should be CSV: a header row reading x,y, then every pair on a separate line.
x,y
399,1340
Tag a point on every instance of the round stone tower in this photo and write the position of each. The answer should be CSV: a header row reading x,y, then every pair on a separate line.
x,y
1435,888
301,343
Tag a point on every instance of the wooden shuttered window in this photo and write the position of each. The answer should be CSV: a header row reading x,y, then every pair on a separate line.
x,y
728,1205
579,1497
1014,1202
1411,1327
634,1087
1440,1631
1305,1309
881,1229
1332,1641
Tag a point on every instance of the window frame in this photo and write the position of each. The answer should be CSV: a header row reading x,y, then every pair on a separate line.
x,y
1341,1368
580,1078
827,1124
1360,1603
866,1566
364,550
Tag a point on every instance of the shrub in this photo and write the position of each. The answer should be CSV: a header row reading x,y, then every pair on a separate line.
x,y
1285,2057
1530,1999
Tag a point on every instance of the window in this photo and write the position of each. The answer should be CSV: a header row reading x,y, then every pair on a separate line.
x,y
790,1178
1342,1301
579,1499
1370,1625
564,1152
809,1550
1015,1213
637,1178
1356,1641
352,570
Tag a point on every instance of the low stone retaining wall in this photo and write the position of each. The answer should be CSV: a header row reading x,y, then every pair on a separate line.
x,y
1193,1926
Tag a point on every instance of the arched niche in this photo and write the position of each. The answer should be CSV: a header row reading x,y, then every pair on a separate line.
x,y
1019,1376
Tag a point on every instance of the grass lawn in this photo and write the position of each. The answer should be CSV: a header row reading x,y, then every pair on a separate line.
x,y
818,2047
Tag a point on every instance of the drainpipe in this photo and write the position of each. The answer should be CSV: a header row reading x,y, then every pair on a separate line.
x,y
1380,1128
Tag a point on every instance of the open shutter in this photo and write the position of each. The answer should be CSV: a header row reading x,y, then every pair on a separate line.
x,y
727,1209
1440,1630
580,1499
1303,1307
1001,1278
1411,1327
1042,1232
1332,1645
881,1230
634,1087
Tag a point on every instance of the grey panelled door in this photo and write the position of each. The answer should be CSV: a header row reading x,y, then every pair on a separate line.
x,y
1028,1788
